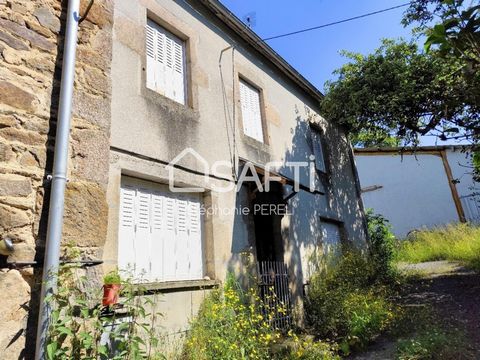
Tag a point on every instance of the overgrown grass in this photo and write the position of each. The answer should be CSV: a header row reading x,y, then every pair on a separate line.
x,y
421,334
432,343
456,242
349,298
345,302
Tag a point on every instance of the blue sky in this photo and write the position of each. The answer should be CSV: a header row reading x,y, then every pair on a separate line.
x,y
315,54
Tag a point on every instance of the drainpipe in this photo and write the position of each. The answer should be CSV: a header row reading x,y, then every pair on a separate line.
x,y
59,176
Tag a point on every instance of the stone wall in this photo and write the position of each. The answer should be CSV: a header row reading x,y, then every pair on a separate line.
x,y
31,42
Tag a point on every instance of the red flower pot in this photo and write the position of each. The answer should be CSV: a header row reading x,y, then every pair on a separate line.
x,y
110,294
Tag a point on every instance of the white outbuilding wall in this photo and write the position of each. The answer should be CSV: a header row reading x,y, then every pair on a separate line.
x,y
413,191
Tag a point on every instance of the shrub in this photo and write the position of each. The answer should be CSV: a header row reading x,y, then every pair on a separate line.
x,y
456,242
344,302
230,325
308,349
381,247
77,329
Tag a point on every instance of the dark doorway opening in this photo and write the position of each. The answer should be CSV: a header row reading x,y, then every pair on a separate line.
x,y
267,219
268,209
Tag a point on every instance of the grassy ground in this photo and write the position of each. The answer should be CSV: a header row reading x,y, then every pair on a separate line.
x,y
458,242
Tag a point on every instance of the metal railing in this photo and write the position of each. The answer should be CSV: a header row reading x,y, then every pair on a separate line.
x,y
275,293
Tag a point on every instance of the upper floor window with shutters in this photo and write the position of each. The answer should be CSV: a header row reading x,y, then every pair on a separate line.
x,y
251,111
318,150
165,62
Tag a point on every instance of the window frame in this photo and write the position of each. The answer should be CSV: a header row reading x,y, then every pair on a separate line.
x,y
318,131
157,187
341,228
242,79
187,81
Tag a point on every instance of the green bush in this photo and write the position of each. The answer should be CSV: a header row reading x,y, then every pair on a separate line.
x,y
456,242
345,303
231,324
307,349
77,327
381,247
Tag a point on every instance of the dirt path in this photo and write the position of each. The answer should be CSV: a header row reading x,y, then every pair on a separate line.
x,y
454,294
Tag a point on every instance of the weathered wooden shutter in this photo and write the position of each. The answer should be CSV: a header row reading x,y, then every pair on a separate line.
x,y
158,237
318,150
178,76
195,238
151,50
160,234
170,249
169,62
181,239
251,111
142,234
126,233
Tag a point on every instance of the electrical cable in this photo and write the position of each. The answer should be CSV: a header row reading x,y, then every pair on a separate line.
x,y
335,22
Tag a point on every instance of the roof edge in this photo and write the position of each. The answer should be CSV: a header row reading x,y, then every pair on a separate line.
x,y
411,149
235,24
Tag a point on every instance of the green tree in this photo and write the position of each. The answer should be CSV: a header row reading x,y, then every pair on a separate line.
x,y
402,92
399,92
451,26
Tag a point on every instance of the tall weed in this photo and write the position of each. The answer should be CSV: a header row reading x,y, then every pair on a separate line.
x,y
347,304
455,242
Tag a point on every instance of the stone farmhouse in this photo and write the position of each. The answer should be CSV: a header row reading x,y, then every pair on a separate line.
x,y
163,91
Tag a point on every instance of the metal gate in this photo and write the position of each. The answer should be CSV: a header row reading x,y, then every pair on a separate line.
x,y
275,293
471,207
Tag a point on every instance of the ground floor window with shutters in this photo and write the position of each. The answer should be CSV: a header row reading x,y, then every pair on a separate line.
x,y
160,233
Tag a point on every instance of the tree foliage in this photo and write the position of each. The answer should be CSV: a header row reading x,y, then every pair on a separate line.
x,y
456,26
400,92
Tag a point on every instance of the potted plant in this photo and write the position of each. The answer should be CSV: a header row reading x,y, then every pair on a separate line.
x,y
111,288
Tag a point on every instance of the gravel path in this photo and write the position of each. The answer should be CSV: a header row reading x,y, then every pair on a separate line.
x,y
454,293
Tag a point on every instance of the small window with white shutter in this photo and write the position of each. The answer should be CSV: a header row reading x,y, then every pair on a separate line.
x,y
251,111
318,150
165,62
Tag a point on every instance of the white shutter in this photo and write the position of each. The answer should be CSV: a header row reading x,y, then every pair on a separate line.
x,y
126,232
160,64
318,151
158,236
169,62
251,111
142,234
178,78
181,239
169,254
195,238
151,50
160,233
